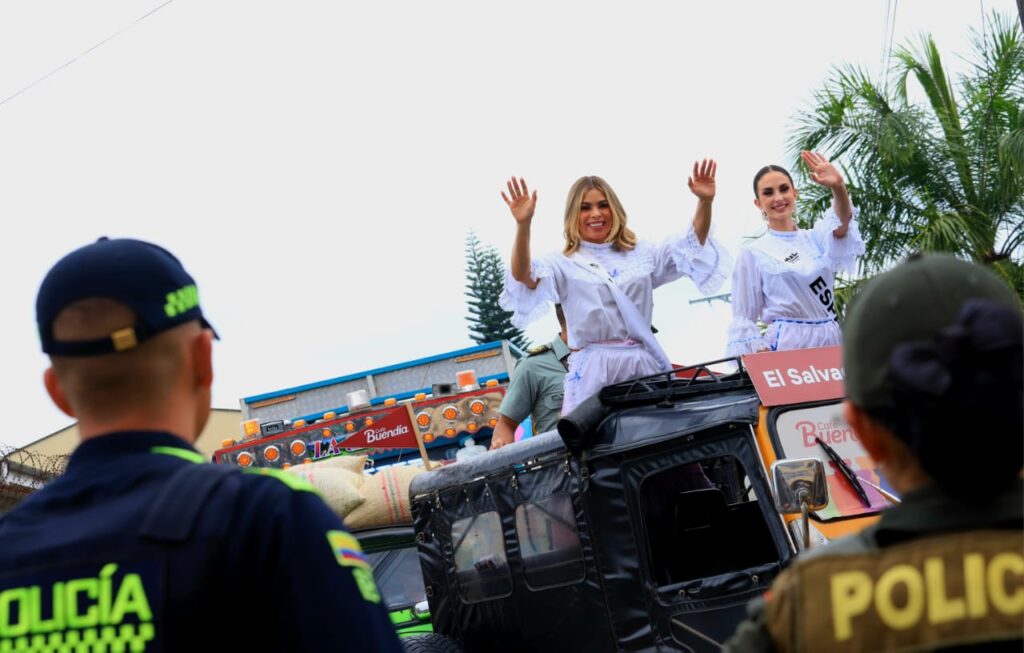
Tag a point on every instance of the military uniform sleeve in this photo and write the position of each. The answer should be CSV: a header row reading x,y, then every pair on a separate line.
x,y
322,584
770,622
751,635
519,396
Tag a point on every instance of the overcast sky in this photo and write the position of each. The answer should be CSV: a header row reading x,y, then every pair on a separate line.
x,y
317,165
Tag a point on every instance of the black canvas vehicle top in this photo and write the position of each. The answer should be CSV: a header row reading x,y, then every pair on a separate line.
x,y
651,533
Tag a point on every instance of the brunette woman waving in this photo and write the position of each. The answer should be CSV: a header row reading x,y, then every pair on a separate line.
x,y
785,279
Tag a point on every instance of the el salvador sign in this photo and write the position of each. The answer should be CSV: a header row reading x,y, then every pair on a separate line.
x,y
797,376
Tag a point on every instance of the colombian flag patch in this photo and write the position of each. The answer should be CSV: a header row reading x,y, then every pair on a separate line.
x,y
346,550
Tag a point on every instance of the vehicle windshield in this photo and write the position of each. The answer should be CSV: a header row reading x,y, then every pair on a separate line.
x,y
809,432
398,577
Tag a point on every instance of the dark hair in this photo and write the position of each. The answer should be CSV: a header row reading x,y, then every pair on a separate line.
x,y
967,382
770,168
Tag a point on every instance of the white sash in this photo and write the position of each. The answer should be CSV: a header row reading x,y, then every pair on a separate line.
x,y
638,327
779,248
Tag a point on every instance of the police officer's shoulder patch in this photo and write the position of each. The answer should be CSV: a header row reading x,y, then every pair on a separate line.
x,y
349,553
538,349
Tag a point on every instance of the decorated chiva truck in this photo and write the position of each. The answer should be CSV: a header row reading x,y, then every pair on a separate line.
x,y
360,439
425,408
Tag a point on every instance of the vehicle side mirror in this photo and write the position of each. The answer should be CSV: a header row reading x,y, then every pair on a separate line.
x,y
800,487
797,481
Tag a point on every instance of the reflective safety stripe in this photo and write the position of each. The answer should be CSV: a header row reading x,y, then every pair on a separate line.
x,y
291,480
185,454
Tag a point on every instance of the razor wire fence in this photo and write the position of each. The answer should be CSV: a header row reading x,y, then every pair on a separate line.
x,y
22,472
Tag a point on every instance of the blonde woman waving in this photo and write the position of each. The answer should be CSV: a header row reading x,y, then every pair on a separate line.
x,y
604,278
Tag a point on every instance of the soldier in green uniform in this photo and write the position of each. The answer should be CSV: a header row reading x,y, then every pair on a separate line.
x,y
536,390
933,359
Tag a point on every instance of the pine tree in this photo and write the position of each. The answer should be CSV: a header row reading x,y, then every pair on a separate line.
x,y
485,276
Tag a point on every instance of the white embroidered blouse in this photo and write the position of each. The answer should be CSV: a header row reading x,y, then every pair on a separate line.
x,y
590,311
786,280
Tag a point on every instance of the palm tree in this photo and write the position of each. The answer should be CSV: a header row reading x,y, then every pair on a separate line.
x,y
946,174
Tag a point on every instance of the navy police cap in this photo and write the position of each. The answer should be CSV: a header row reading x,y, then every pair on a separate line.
x,y
144,277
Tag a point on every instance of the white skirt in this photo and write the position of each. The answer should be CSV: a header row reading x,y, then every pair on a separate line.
x,y
785,334
601,364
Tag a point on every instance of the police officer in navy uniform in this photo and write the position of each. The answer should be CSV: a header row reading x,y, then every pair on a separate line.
x,y
140,545
933,359
536,390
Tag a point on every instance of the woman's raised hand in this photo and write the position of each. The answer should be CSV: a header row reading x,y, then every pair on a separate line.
x,y
702,183
519,200
822,172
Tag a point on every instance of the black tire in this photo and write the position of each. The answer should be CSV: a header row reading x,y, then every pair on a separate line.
x,y
431,643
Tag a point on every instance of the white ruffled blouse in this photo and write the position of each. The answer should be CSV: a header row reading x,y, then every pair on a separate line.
x,y
786,280
590,310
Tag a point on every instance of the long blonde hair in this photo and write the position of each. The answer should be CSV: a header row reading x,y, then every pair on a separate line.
x,y
621,236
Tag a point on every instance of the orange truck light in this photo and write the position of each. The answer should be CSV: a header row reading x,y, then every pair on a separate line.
x,y
298,448
245,459
423,419
477,407
271,454
450,413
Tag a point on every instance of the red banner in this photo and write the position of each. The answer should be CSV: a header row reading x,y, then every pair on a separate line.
x,y
797,376
388,431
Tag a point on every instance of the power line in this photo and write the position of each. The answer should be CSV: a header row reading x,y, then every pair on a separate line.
x,y
887,38
79,56
885,35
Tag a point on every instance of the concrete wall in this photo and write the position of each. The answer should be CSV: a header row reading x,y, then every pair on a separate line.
x,y
223,423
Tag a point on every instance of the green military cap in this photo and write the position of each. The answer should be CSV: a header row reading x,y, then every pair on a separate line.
x,y
910,303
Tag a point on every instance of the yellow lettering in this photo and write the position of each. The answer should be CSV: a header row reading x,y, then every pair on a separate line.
x,y
941,608
16,597
974,585
1002,598
851,596
131,598
91,588
896,617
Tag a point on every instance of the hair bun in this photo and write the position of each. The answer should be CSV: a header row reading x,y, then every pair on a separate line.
x,y
927,369
971,373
